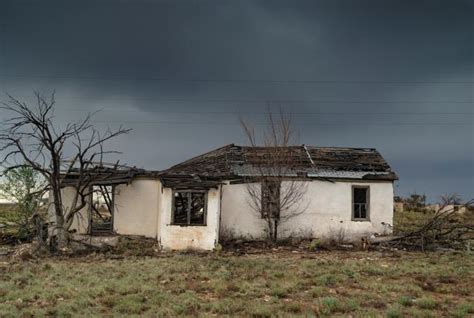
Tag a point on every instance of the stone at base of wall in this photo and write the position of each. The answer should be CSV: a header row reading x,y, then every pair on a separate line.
x,y
97,241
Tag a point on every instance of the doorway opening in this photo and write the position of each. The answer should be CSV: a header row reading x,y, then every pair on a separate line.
x,y
102,210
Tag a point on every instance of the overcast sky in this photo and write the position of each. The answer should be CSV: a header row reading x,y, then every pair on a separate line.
x,y
392,75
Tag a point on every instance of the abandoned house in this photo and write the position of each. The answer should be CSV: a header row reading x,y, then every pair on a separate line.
x,y
196,203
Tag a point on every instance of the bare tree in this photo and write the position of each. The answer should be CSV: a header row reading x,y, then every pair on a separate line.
x,y
274,191
416,202
74,153
450,199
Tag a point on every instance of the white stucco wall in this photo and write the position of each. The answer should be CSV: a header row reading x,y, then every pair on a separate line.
x,y
238,218
144,207
136,208
175,237
328,212
81,220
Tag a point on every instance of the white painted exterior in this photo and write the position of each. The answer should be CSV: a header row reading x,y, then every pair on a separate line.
x,y
136,208
80,222
144,207
327,210
176,237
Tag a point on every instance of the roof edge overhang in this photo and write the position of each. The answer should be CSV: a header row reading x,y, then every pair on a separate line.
x,y
190,181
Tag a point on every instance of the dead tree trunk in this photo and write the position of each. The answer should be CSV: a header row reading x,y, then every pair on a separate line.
x,y
274,193
31,137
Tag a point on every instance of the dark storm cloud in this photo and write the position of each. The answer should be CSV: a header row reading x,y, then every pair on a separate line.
x,y
159,66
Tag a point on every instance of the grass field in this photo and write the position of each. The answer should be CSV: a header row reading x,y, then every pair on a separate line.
x,y
325,284
282,283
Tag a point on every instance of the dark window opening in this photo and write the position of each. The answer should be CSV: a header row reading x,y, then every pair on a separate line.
x,y
102,209
189,208
360,203
271,199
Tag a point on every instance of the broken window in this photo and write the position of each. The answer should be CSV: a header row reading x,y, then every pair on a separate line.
x,y
189,208
360,203
102,209
271,199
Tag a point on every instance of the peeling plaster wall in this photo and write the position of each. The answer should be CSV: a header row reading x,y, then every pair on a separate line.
x,y
238,218
328,212
144,208
136,208
81,219
175,237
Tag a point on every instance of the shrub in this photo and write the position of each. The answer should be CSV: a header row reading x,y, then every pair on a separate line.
x,y
463,310
351,305
327,280
330,305
315,244
26,217
394,312
218,249
427,303
405,301
278,291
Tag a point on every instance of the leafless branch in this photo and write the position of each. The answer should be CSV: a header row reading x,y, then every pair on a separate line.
x,y
274,192
29,137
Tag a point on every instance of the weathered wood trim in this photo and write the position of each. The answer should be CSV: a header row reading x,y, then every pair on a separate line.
x,y
367,200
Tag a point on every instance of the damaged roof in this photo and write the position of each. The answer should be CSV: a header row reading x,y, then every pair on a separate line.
x,y
104,175
234,162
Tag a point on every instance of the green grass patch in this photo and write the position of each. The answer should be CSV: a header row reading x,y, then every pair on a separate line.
x,y
427,303
358,284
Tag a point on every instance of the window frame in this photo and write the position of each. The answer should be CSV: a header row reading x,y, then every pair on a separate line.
x,y
266,205
91,229
367,198
190,192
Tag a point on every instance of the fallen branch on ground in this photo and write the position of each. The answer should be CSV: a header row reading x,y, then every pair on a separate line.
x,y
443,230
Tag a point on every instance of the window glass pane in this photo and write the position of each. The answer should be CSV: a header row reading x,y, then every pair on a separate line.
x,y
197,208
360,203
180,208
360,195
363,211
356,211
